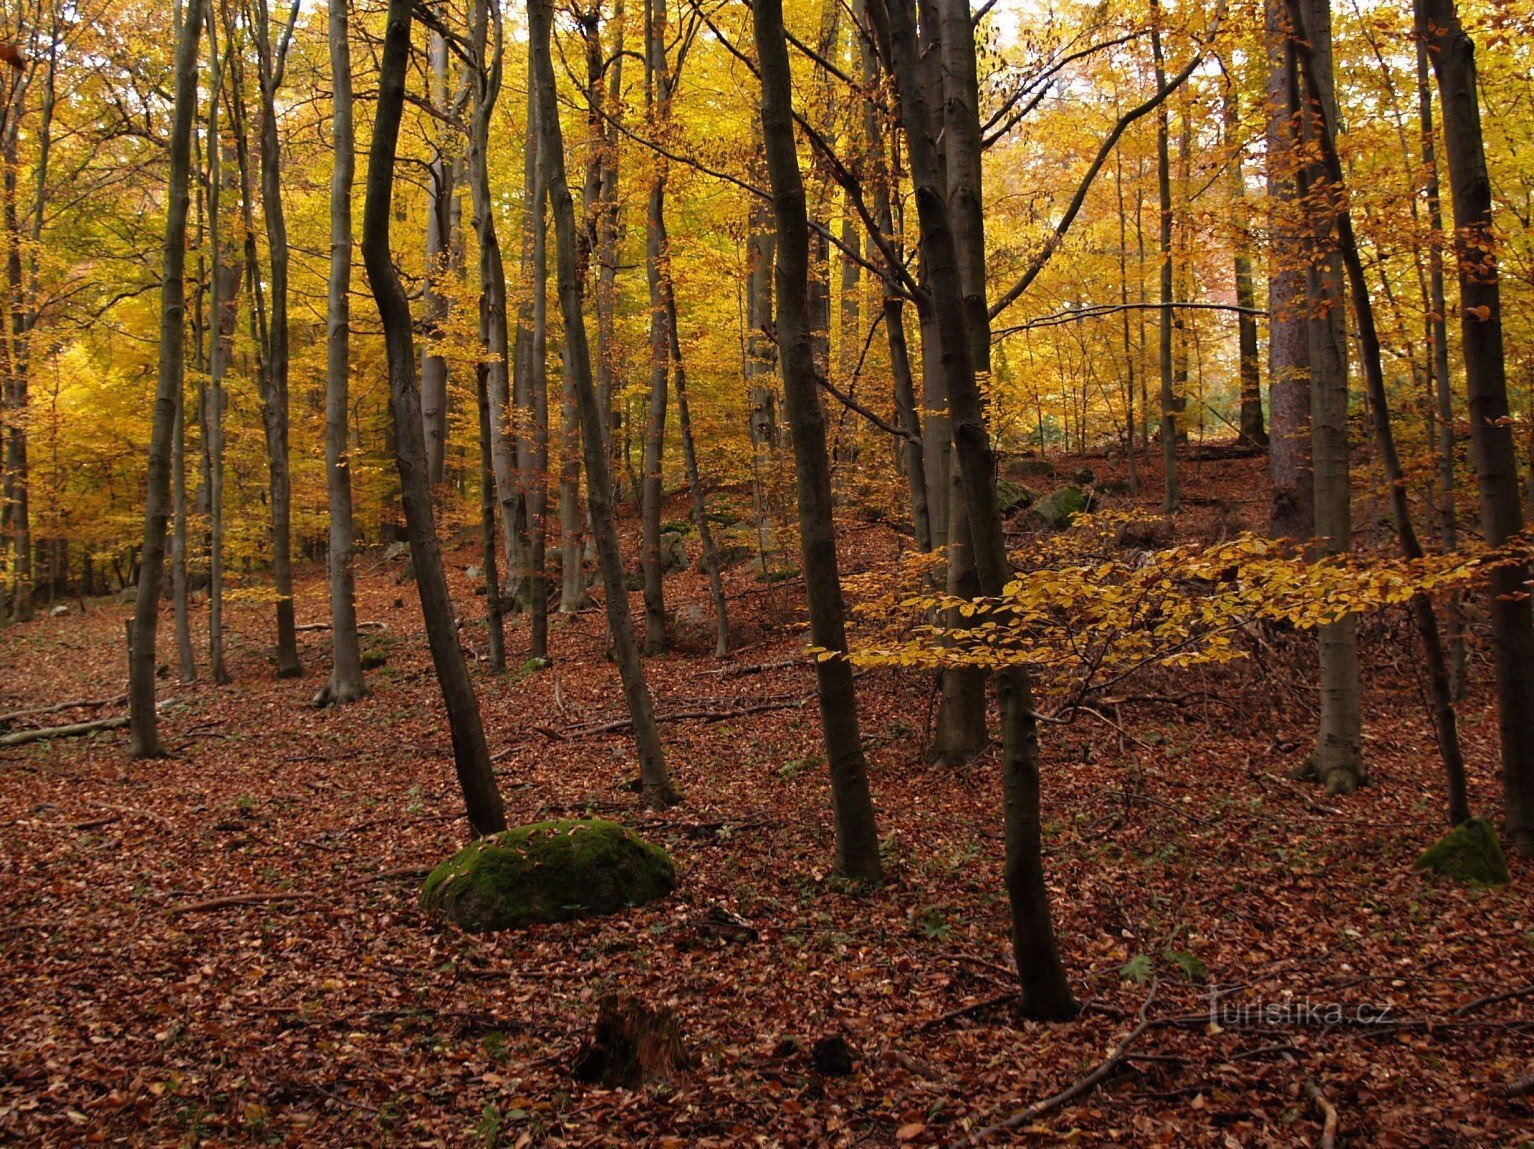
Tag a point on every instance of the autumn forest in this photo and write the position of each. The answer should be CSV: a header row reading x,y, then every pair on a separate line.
x,y
722,572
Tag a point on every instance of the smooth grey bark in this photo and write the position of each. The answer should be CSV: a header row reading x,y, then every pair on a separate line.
x,y
1251,420
439,195
1292,514
1170,500
1442,381
471,756
223,311
497,452
1045,991
143,723
760,363
658,789
1445,722
271,59
883,179
857,836
1336,762
345,683
186,660
658,105
1496,462
694,477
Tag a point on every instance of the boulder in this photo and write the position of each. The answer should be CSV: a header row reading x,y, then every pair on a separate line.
x,y
1058,508
1083,477
547,872
1012,496
1469,853
1019,467
673,555
729,554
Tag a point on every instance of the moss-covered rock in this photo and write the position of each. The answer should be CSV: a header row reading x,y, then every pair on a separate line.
x,y
1468,853
547,872
1059,507
1014,496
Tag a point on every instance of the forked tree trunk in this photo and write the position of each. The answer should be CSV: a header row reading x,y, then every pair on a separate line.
x,y
1046,994
471,757
1496,460
658,790
857,838
346,656
143,723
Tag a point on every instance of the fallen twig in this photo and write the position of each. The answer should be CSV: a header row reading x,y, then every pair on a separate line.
x,y
73,730
80,704
972,1008
1091,1081
235,900
386,875
1481,1003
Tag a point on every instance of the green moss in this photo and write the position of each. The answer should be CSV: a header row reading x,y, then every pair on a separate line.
x,y
547,872
1058,508
1014,496
1468,853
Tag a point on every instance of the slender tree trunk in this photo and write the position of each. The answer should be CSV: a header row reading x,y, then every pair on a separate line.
x,y
143,724
186,660
694,477
1444,721
761,357
497,453
223,313
439,194
1046,993
857,837
1252,428
1496,461
271,58
1442,381
659,792
1170,500
1293,509
471,757
1336,762
346,657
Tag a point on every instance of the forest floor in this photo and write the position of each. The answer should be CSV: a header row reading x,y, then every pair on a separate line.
x,y
1180,858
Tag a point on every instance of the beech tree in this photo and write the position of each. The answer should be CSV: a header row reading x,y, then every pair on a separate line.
x,y
471,756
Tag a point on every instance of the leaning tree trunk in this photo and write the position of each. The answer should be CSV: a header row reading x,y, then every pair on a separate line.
x,y
1046,993
471,757
857,835
658,789
1496,461
143,722
346,656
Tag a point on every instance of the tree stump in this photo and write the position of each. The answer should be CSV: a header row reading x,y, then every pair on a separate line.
x,y
631,1046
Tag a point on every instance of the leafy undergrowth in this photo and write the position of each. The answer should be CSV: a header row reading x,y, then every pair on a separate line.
x,y
1180,858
